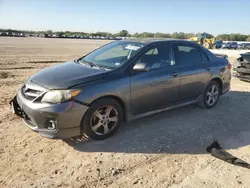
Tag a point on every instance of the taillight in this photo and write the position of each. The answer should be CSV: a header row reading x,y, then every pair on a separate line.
x,y
229,66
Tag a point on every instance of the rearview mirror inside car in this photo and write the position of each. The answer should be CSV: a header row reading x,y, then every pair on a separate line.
x,y
140,67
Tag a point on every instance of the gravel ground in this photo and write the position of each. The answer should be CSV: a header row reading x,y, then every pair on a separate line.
x,y
163,150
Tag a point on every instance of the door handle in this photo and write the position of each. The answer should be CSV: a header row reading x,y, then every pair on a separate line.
x,y
175,74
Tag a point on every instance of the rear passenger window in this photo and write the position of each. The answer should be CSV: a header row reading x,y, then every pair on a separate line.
x,y
184,48
153,51
187,54
204,56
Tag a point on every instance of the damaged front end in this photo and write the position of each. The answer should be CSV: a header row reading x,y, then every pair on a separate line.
x,y
241,67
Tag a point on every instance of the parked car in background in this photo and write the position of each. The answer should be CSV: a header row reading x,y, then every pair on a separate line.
x,y
121,81
241,45
233,45
230,45
2,34
241,67
247,46
218,44
226,45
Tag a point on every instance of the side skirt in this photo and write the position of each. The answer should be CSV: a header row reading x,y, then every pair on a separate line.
x,y
133,117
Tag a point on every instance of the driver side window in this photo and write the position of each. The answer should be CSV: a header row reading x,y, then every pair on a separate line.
x,y
158,56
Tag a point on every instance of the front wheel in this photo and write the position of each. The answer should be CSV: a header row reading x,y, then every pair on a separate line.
x,y
211,95
102,119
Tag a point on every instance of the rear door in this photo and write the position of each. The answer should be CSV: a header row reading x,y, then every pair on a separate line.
x,y
196,70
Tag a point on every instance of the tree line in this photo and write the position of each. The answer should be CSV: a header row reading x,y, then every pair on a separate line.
x,y
125,33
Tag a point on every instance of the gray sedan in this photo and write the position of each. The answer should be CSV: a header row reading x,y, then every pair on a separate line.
x,y
119,82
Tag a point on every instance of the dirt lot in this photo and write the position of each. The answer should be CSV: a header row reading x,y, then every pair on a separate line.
x,y
164,150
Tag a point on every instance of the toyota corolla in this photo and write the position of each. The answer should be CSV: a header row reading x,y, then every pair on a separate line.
x,y
119,82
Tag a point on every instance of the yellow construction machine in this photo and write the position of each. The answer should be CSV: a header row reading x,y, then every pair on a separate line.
x,y
205,39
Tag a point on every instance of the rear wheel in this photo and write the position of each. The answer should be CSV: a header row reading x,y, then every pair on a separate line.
x,y
102,119
211,95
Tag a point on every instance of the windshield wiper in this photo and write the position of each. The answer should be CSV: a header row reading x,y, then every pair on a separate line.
x,y
94,64
91,64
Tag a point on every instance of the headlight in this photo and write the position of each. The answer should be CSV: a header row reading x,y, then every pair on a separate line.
x,y
58,96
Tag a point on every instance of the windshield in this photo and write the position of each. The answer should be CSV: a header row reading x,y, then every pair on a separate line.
x,y
113,55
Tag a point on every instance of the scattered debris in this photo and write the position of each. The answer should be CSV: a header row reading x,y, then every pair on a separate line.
x,y
115,172
216,150
101,178
88,170
98,172
239,182
136,181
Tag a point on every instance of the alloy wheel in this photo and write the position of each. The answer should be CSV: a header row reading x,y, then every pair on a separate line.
x,y
212,95
104,120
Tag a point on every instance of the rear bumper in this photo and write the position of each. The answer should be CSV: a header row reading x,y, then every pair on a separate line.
x,y
50,120
226,89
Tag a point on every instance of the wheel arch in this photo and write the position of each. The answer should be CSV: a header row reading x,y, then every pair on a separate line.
x,y
219,81
117,99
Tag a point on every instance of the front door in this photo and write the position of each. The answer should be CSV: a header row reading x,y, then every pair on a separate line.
x,y
159,87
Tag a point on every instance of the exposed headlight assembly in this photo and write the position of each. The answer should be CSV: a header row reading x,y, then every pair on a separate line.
x,y
58,96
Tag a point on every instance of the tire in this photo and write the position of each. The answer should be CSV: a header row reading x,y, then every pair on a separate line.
x,y
204,103
207,45
96,117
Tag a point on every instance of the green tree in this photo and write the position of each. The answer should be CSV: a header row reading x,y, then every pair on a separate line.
x,y
174,35
136,35
162,35
49,32
233,37
223,37
189,35
123,33
102,34
60,33
248,39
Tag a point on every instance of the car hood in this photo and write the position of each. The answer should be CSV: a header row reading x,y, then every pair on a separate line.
x,y
66,75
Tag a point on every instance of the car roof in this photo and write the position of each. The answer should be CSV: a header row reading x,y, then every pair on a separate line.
x,y
154,40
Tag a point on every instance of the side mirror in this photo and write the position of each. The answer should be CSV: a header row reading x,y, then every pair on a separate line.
x,y
140,67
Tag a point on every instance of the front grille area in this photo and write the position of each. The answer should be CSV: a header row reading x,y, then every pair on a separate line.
x,y
29,93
